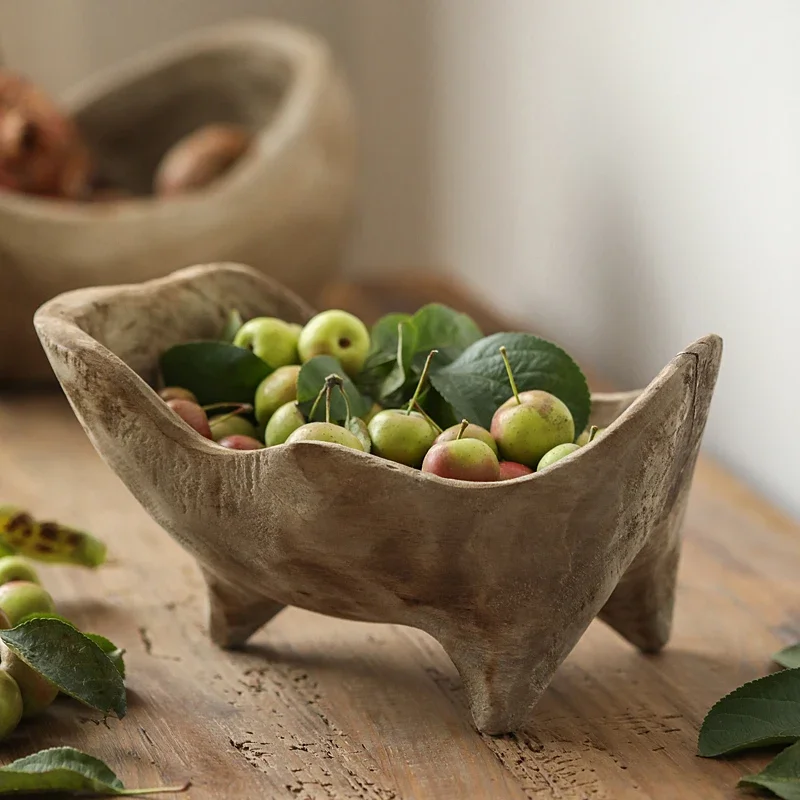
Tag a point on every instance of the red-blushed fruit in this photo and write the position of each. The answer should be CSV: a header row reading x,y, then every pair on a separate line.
x,y
240,442
41,149
462,459
36,691
176,393
511,469
193,415
470,432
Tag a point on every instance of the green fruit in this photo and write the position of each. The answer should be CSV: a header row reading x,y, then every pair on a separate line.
x,y
272,340
463,460
36,691
16,568
401,437
223,425
324,432
287,419
338,334
275,390
20,598
471,432
525,431
10,705
556,454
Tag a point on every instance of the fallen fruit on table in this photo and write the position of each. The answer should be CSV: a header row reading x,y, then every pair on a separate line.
x,y
10,705
36,691
16,568
392,392
18,599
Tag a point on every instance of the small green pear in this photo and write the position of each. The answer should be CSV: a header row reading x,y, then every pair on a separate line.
x,y
17,568
276,389
339,334
10,705
287,419
556,454
272,340
223,425
20,598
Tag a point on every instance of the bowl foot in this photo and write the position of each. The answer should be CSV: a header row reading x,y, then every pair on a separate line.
x,y
234,615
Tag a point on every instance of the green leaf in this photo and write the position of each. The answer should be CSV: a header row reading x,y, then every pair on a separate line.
x,y
406,347
114,653
439,409
761,713
311,380
359,429
232,325
476,383
781,776
70,660
442,328
383,337
67,770
788,657
216,372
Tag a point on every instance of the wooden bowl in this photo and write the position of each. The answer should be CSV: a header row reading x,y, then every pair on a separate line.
x,y
285,207
507,576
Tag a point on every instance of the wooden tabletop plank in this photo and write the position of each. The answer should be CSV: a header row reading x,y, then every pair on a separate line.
x,y
323,709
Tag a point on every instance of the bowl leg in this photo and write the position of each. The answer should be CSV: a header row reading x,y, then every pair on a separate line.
x,y
234,614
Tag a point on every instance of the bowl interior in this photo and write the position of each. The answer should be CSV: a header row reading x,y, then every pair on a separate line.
x,y
131,127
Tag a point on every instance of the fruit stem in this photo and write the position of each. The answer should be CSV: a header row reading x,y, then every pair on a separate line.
x,y
346,405
316,403
430,419
422,379
504,353
592,433
243,407
330,382
464,424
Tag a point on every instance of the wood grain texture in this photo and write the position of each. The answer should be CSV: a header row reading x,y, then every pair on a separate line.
x,y
285,208
317,708
506,576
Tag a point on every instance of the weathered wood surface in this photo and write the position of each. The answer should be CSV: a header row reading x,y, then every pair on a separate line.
x,y
322,709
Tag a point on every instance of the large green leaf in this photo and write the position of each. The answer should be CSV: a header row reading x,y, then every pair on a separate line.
x,y
781,776
761,713
310,382
216,372
65,770
70,660
442,328
476,383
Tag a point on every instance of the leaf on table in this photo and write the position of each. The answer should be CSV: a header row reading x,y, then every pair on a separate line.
x,y
310,381
476,383
439,327
359,429
232,325
115,654
781,776
788,657
216,372
761,713
66,770
69,659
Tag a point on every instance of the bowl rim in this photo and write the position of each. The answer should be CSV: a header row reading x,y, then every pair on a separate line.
x,y
55,321
308,58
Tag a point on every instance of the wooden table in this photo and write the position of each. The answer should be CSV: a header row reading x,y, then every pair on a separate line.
x,y
322,709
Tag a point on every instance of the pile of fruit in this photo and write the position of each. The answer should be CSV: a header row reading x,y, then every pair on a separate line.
x,y
42,151
426,390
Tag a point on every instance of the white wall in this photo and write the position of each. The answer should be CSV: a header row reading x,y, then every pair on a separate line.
x,y
624,174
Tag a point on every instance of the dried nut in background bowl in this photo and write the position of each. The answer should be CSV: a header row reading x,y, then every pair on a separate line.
x,y
199,158
41,150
